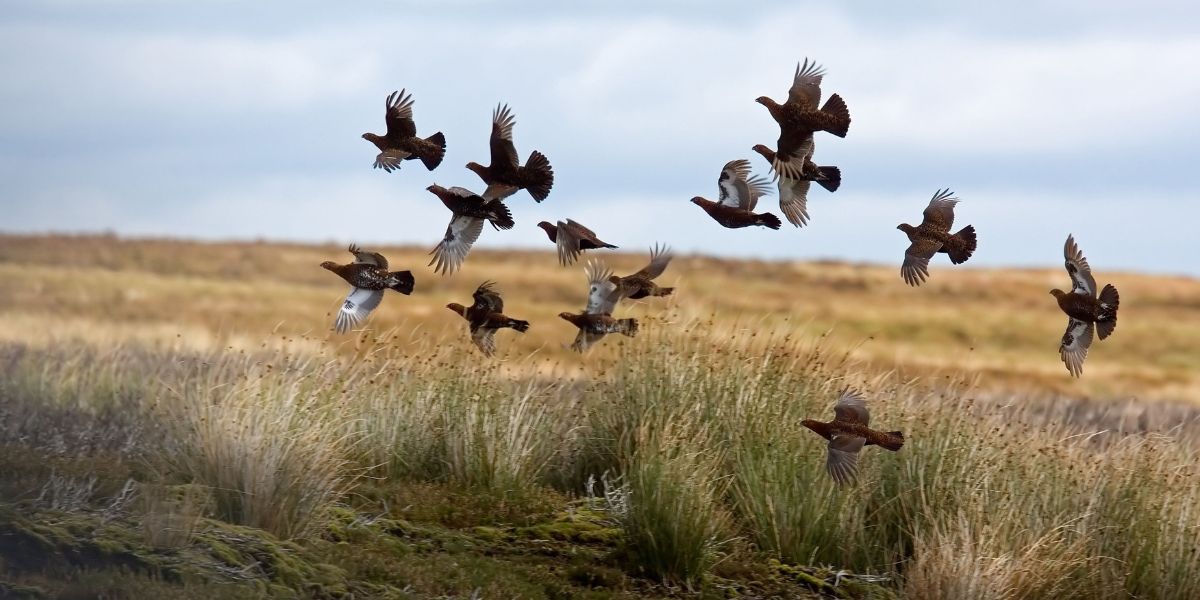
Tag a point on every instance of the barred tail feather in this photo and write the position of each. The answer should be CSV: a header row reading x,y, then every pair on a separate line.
x,y
830,178
1109,301
539,176
404,281
433,159
769,220
959,253
836,107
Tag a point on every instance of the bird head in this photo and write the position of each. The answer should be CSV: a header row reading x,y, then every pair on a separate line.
x,y
550,229
370,137
477,168
763,150
435,188
458,308
765,101
566,315
1057,293
329,265
698,201
906,228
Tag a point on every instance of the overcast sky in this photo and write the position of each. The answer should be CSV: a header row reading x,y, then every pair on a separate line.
x,y
218,120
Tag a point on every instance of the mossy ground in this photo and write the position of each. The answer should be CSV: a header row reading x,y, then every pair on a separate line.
x,y
368,551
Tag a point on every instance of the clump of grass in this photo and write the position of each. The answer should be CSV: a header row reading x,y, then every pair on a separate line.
x,y
171,514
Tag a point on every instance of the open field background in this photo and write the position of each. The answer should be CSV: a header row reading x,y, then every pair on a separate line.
x,y
176,421
999,325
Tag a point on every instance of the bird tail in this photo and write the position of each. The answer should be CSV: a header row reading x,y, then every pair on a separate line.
x,y
404,281
768,220
960,252
667,291
829,178
892,440
500,217
627,327
539,176
431,160
519,325
1107,322
835,107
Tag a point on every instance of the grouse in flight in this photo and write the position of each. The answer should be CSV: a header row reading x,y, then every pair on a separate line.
x,y
641,284
793,193
847,433
800,117
470,211
596,320
369,277
933,236
505,175
739,195
485,316
1085,311
401,143
572,238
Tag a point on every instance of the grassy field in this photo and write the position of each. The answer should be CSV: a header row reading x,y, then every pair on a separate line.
x,y
176,420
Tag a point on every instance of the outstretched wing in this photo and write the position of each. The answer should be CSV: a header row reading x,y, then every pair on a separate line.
x,y
842,459
485,339
368,258
487,298
1075,344
602,293
399,116
939,215
356,307
503,150
450,253
916,260
1082,281
660,257
738,189
806,85
851,407
793,200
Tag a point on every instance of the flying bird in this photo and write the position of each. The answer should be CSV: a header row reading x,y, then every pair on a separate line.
x,y
641,284
485,316
933,236
799,118
505,175
793,193
596,320
401,143
470,211
368,276
739,195
1084,310
572,239
847,433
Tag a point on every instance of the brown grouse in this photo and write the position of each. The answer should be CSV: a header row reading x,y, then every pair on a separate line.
x,y
505,175
933,236
793,193
572,239
401,143
369,276
596,320
641,284
1085,311
470,211
799,118
847,433
485,316
739,196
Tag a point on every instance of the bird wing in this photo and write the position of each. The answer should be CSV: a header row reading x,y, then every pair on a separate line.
x,y
660,257
487,298
806,84
1075,344
568,241
731,183
585,338
399,117
485,339
793,200
851,407
757,187
368,258
452,250
1082,281
358,304
916,260
842,459
939,214
602,293
503,150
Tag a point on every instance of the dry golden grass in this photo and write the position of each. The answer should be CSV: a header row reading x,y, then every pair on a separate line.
x,y
998,325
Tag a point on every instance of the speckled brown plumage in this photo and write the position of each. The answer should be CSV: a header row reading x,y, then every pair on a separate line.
x,y
596,320
401,143
933,236
504,176
739,194
368,277
470,211
641,284
1086,311
793,193
572,238
799,117
848,433
485,316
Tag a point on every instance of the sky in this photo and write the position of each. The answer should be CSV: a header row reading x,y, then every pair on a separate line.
x,y
219,120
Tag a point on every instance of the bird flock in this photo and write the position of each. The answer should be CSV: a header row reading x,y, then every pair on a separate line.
x,y
793,171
